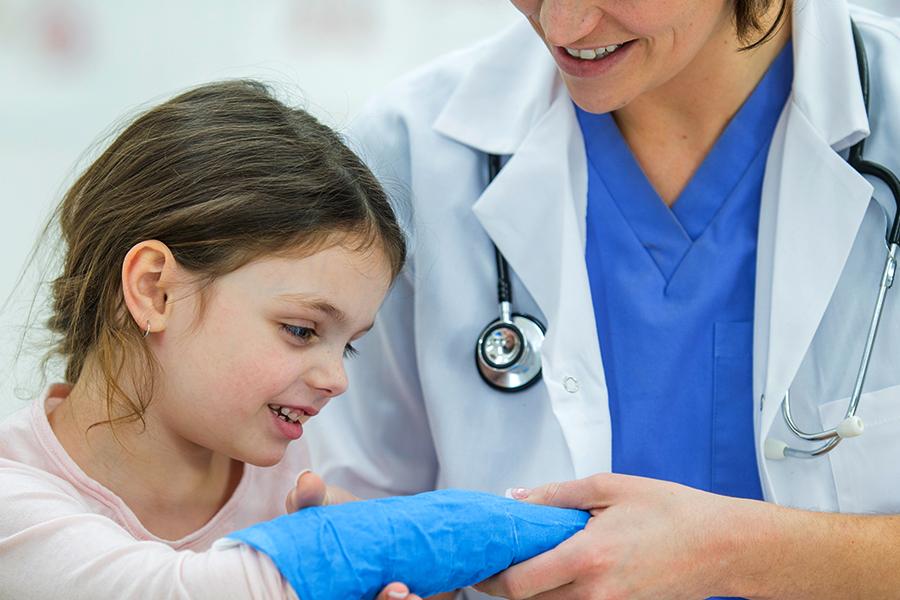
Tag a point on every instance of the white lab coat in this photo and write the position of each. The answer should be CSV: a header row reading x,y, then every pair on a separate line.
x,y
417,415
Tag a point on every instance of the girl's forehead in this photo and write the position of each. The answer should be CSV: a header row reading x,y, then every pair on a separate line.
x,y
331,273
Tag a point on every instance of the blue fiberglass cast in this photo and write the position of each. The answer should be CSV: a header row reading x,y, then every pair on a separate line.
x,y
434,542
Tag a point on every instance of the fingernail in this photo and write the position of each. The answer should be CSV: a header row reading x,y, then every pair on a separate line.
x,y
302,473
519,493
398,594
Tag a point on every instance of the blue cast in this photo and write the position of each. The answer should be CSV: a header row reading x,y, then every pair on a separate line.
x,y
434,542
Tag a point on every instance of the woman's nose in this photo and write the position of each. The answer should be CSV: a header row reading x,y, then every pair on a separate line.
x,y
565,22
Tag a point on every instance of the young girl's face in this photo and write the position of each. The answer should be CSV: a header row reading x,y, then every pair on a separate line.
x,y
271,340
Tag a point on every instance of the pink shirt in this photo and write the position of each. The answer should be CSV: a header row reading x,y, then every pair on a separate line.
x,y
64,535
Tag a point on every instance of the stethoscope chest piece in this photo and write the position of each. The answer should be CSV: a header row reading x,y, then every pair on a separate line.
x,y
508,352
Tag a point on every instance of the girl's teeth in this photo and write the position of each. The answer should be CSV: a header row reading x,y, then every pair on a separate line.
x,y
285,414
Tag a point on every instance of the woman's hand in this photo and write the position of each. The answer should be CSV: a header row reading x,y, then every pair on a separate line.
x,y
646,539
310,490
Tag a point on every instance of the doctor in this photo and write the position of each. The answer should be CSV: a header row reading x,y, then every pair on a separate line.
x,y
675,205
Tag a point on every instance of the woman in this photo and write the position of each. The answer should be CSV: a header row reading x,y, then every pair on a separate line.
x,y
675,205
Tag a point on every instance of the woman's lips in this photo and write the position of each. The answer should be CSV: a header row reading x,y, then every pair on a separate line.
x,y
596,67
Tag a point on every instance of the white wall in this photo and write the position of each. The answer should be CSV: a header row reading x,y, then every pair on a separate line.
x,y
69,69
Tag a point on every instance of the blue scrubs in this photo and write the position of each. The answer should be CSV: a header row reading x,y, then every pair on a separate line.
x,y
673,293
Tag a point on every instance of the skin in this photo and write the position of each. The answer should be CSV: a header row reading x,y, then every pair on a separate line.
x,y
219,370
659,94
650,539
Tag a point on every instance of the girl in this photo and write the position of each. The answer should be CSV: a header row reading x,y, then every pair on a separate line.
x,y
221,257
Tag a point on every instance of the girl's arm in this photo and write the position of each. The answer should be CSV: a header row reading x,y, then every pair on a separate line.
x,y
52,546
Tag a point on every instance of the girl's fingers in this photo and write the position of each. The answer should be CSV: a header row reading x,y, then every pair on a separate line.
x,y
396,591
308,490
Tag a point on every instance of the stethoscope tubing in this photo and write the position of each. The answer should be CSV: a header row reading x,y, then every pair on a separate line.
x,y
865,167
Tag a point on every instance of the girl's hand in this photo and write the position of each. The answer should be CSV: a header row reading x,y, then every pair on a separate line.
x,y
310,490
646,540
396,591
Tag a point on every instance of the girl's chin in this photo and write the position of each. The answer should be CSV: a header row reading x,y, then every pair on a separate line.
x,y
260,457
259,460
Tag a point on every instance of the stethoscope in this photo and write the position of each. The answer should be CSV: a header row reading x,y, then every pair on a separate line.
x,y
508,351
852,425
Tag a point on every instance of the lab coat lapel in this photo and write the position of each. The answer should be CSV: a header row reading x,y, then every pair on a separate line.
x,y
812,203
534,212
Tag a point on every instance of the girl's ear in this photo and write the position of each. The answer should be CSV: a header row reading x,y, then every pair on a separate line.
x,y
148,278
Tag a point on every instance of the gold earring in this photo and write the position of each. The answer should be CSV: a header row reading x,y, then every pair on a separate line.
x,y
146,333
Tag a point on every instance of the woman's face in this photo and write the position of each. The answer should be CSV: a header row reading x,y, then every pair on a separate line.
x,y
626,48
272,337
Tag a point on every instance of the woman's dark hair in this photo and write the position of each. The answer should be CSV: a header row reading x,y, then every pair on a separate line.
x,y
749,19
222,174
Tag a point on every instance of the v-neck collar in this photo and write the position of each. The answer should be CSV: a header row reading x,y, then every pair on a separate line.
x,y
668,234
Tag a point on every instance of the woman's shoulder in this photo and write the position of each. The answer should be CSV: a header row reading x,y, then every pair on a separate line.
x,y
880,32
423,92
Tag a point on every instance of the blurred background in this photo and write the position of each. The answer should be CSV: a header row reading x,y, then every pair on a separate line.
x,y
72,70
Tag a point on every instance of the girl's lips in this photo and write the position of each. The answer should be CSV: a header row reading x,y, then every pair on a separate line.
x,y
308,410
290,430
577,67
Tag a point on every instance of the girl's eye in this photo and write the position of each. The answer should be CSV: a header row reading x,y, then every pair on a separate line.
x,y
302,333
306,334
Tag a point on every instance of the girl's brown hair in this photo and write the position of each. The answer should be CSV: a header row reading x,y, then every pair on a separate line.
x,y
222,174
749,16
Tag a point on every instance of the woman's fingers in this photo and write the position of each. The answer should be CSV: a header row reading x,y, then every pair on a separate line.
x,y
596,491
544,572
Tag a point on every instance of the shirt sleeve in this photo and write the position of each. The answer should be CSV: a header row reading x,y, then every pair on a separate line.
x,y
375,440
52,546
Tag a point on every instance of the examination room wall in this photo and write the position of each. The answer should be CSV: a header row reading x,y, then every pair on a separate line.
x,y
71,69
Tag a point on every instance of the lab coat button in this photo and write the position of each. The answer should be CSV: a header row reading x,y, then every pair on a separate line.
x,y
571,384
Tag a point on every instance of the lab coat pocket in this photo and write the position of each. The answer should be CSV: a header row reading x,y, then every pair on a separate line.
x,y
734,471
866,469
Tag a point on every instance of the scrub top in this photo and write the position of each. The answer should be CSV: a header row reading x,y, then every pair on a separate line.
x,y
673,294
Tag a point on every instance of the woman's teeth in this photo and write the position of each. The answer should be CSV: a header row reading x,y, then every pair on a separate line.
x,y
593,54
286,414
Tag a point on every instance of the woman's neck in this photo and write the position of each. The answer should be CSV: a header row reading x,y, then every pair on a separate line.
x,y
173,486
672,128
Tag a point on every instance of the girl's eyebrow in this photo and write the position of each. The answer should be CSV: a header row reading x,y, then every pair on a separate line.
x,y
316,304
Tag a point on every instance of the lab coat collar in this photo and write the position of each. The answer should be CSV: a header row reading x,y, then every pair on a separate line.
x,y
508,88
498,101
826,79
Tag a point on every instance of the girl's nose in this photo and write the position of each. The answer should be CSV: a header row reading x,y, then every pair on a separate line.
x,y
329,377
565,22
